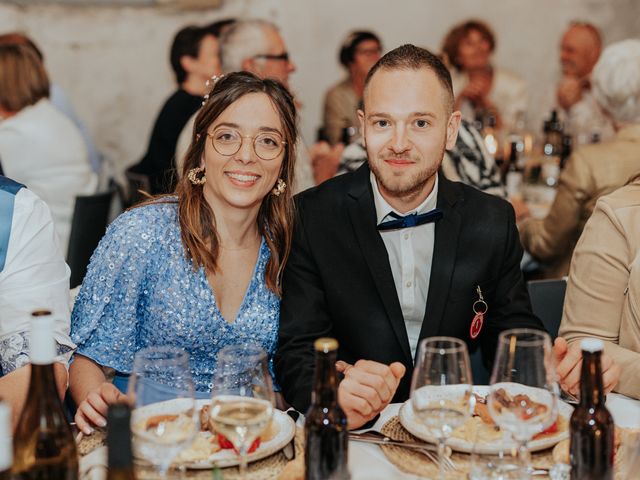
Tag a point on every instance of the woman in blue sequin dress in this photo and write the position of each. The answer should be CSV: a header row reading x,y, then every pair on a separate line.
x,y
199,270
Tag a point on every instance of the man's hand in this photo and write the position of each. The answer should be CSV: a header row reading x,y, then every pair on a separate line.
x,y
93,410
325,160
569,92
367,388
569,364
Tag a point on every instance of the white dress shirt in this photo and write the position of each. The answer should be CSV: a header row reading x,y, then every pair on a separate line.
x,y
34,277
410,253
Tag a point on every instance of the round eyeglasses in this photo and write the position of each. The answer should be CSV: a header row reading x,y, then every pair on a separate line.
x,y
227,142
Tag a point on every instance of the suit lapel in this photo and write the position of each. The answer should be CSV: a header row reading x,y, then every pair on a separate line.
x,y
362,212
444,256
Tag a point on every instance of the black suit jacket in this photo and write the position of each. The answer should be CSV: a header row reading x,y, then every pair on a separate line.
x,y
338,280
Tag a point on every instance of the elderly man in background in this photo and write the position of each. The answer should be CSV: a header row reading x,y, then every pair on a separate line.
x,y
593,170
580,49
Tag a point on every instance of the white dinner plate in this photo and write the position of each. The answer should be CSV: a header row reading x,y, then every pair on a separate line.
x,y
227,457
411,423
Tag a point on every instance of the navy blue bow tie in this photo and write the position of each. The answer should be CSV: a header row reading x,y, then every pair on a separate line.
x,y
410,220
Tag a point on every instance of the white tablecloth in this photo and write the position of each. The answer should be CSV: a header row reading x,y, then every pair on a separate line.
x,y
367,462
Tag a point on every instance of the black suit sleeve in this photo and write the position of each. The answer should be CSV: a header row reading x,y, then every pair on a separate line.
x,y
511,307
304,317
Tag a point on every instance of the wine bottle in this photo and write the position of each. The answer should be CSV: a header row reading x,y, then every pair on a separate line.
x,y
119,443
44,448
591,425
6,449
325,426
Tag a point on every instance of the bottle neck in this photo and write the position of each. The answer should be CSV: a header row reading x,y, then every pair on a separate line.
x,y
591,389
44,380
325,390
119,446
6,447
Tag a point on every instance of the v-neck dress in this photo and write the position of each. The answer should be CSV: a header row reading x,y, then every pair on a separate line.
x,y
141,290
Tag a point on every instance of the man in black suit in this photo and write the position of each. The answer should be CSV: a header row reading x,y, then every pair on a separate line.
x,y
380,284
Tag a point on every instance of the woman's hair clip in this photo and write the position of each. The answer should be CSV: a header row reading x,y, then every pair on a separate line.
x,y
210,85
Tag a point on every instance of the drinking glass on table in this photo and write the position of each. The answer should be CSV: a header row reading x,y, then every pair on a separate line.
x,y
523,398
165,419
242,397
441,388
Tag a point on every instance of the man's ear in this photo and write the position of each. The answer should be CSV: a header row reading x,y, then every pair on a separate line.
x,y
186,62
361,119
452,129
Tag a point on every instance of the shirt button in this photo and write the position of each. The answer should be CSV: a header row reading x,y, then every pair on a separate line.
x,y
408,284
406,236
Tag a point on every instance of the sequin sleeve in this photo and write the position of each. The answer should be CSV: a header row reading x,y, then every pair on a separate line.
x,y
104,322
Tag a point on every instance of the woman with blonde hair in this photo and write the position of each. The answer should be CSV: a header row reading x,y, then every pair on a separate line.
x,y
202,269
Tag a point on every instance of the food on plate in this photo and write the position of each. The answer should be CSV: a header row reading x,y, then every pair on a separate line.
x,y
482,426
208,441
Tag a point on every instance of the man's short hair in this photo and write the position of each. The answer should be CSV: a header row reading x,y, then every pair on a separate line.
x,y
616,81
589,27
243,40
216,28
186,43
410,57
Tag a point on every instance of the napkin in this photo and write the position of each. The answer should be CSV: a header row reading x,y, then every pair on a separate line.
x,y
93,466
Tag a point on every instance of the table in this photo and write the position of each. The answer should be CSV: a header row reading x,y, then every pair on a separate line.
x,y
367,462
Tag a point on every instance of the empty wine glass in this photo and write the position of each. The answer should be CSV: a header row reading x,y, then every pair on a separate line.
x,y
441,388
165,419
523,398
242,397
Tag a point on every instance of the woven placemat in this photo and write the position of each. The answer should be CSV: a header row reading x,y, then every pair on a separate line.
x,y
415,463
267,468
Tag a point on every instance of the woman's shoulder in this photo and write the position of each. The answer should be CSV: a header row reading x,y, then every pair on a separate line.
x,y
158,217
623,198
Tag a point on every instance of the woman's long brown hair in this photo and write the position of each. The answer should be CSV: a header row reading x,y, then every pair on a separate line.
x,y
276,214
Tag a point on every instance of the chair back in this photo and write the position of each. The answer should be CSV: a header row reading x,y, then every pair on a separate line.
x,y
90,218
547,302
136,184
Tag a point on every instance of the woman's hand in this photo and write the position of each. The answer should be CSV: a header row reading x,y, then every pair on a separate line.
x,y
93,410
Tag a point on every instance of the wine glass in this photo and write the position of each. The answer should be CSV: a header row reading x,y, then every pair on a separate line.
x,y
165,420
523,396
242,397
441,388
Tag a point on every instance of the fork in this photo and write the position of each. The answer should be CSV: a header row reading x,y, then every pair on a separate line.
x,y
448,463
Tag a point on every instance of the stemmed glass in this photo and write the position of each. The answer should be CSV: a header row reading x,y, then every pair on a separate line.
x,y
523,398
441,388
165,420
242,397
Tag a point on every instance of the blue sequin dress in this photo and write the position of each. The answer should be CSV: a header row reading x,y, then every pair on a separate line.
x,y
140,290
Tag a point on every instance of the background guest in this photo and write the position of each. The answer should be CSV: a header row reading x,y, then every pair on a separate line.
x,y
480,88
593,170
603,291
39,146
194,59
33,275
200,271
256,46
358,53
580,49
60,100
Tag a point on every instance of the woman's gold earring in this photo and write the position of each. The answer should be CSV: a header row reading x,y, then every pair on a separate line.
x,y
193,176
280,187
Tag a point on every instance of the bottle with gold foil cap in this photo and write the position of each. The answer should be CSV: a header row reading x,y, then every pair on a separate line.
x,y
327,436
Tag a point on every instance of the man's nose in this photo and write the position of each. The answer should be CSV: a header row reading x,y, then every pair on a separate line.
x,y
400,141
